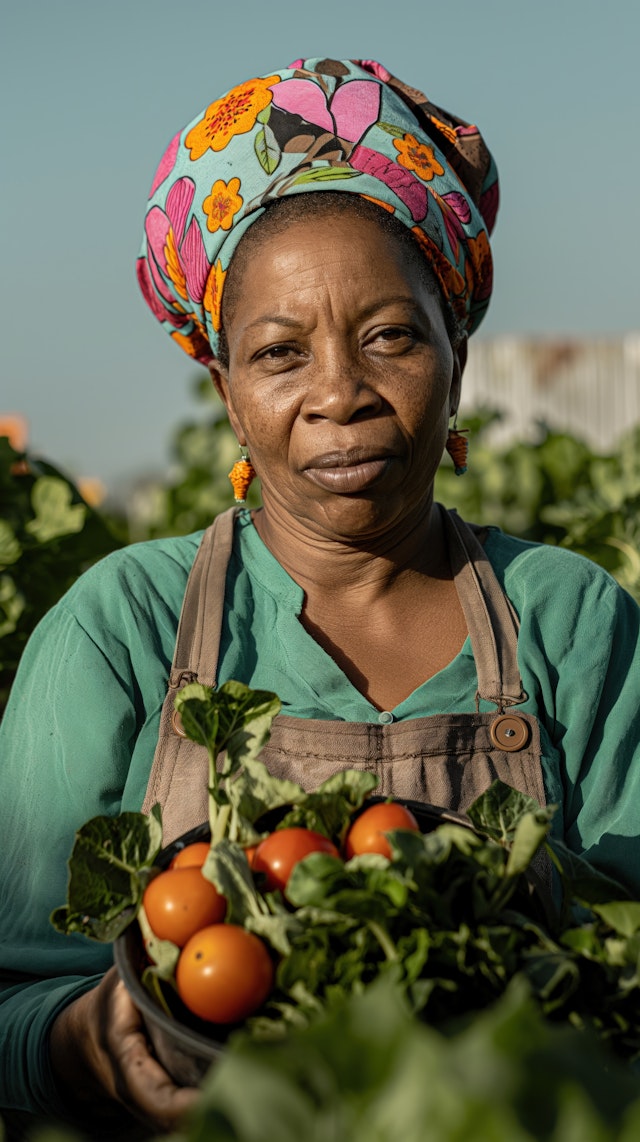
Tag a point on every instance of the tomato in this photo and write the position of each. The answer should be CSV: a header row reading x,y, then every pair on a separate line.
x,y
366,834
277,854
250,852
224,973
179,902
195,854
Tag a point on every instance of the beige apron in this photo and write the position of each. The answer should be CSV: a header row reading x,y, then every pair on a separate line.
x,y
445,759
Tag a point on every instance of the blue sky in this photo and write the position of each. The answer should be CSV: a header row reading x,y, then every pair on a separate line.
x,y
91,93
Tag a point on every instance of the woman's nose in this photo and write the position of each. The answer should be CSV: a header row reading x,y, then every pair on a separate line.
x,y
340,390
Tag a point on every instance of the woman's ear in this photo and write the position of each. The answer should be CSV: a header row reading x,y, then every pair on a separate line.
x,y
220,378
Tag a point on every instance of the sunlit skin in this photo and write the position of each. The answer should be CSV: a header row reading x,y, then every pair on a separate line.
x,y
341,383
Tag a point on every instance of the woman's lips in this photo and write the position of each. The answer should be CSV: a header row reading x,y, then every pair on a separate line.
x,y
346,474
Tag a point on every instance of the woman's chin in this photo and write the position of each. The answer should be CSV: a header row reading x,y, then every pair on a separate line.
x,y
356,518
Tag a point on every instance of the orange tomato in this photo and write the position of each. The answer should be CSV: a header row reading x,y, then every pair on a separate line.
x,y
179,902
192,855
224,973
278,853
366,834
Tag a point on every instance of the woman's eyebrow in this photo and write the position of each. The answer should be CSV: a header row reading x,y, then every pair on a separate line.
x,y
269,319
368,311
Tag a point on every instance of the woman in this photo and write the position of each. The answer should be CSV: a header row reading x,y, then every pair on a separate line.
x,y
319,239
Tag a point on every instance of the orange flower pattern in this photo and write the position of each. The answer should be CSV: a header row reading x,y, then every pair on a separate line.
x,y
452,283
449,133
418,157
222,205
212,300
234,114
479,266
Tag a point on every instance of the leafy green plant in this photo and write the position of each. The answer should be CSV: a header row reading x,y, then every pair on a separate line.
x,y
370,1072
454,915
48,536
554,490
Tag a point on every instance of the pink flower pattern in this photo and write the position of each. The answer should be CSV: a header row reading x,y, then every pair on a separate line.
x,y
191,252
167,164
408,189
353,109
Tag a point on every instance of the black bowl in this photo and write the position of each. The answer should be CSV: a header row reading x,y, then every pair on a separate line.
x,y
185,1045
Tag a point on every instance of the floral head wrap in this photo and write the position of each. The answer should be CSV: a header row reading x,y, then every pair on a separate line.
x,y
318,125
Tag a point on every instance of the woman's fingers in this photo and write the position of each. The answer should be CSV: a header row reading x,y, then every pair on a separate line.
x,y
100,1055
141,1083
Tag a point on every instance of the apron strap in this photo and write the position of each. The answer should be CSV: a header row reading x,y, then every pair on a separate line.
x,y
172,779
491,620
198,639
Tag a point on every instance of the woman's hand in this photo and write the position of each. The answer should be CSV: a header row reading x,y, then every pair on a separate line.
x,y
100,1055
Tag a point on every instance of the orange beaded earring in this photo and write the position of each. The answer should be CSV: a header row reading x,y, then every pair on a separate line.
x,y
241,475
457,446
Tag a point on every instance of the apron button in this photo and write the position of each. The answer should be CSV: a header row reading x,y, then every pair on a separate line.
x,y
385,717
176,725
509,733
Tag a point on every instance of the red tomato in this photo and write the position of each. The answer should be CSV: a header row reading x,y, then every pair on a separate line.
x,y
277,854
192,855
366,834
224,973
250,852
179,902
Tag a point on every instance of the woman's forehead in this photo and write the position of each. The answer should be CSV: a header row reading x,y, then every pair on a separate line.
x,y
336,240
336,268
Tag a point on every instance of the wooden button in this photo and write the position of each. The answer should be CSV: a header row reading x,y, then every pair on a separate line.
x,y
509,733
176,722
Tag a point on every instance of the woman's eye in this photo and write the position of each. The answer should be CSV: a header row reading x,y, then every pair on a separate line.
x,y
276,352
394,334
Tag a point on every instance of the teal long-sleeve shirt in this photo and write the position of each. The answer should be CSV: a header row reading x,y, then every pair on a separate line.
x,y
79,733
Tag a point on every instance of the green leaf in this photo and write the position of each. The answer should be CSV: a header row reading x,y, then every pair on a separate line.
x,y
391,129
267,150
12,605
254,792
325,174
582,880
498,811
10,548
227,867
264,115
530,832
315,879
621,915
352,784
329,809
233,718
108,872
199,713
54,513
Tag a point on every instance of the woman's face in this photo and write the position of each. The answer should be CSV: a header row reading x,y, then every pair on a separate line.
x,y
341,376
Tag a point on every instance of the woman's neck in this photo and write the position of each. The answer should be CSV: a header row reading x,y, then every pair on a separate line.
x,y
372,566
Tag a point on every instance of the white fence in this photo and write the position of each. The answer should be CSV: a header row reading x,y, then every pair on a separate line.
x,y
590,388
